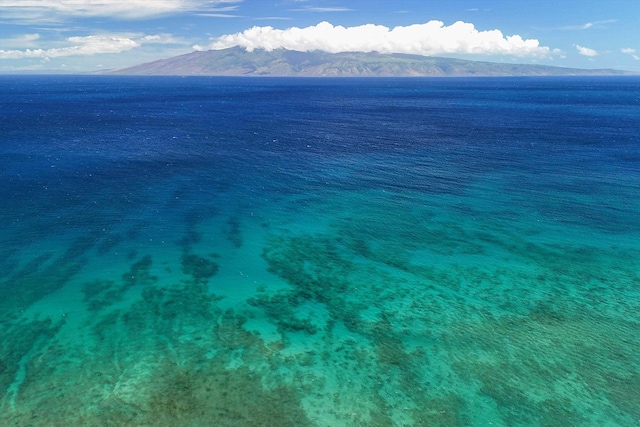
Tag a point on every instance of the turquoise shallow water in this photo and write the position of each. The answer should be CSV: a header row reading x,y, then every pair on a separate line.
x,y
325,253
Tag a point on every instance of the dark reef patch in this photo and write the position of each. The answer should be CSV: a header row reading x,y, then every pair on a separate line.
x,y
109,243
198,267
38,278
233,232
214,395
139,273
281,308
19,340
99,294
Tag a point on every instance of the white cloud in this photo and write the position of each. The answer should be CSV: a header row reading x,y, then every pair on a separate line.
x,y
585,51
630,51
128,9
86,45
160,39
91,45
431,38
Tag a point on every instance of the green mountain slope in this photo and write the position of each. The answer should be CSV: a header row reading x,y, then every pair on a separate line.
x,y
236,61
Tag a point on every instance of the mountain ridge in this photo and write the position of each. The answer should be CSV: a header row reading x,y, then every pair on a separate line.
x,y
236,61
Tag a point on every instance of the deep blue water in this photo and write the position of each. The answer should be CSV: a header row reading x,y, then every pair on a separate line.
x,y
227,251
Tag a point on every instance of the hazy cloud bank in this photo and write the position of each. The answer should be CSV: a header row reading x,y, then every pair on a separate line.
x,y
87,45
128,9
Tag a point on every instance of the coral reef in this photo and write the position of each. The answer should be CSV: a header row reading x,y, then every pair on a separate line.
x,y
200,268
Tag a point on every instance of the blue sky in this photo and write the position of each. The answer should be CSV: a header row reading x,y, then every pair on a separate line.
x,y
85,35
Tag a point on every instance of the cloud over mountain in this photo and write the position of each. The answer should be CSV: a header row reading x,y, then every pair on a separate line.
x,y
431,38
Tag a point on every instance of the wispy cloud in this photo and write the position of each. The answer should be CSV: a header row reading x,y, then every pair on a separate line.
x,y
585,51
123,9
273,18
220,12
322,9
20,41
219,15
431,38
579,27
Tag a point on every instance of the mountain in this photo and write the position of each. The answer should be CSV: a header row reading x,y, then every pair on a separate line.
x,y
236,61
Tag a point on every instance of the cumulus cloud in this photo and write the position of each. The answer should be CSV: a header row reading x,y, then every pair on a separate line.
x,y
431,38
585,51
35,9
86,45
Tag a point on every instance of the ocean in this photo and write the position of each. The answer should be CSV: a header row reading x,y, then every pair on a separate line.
x,y
319,252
